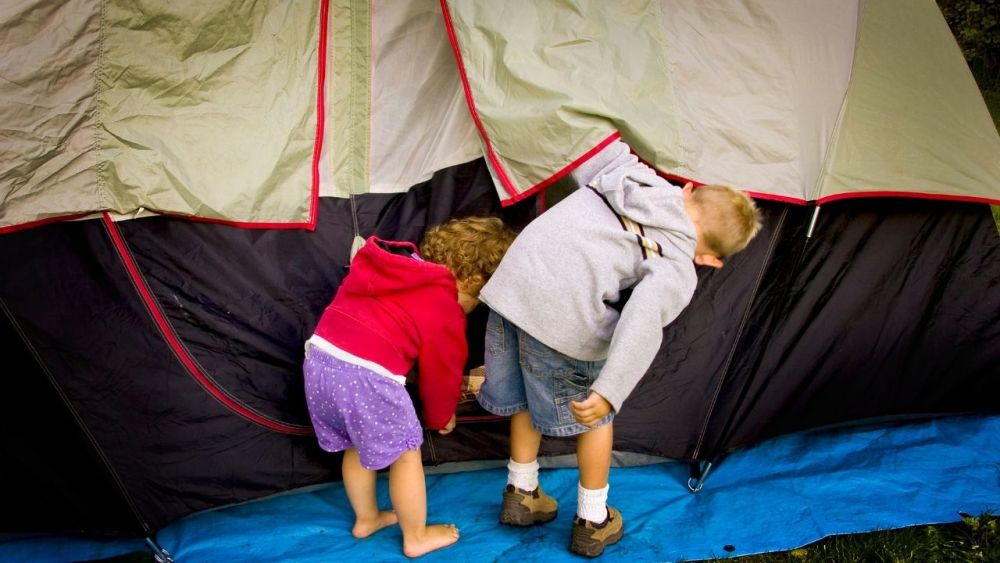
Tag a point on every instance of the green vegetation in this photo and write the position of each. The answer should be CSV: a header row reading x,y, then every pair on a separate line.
x,y
974,539
976,25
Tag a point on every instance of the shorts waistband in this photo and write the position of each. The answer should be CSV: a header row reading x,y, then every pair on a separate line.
x,y
326,347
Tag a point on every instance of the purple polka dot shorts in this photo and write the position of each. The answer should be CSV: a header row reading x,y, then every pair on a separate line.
x,y
353,407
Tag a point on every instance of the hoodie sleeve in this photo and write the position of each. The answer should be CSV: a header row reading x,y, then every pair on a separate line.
x,y
441,360
614,156
664,290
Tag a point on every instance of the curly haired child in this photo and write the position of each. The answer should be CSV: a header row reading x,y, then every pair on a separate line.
x,y
398,307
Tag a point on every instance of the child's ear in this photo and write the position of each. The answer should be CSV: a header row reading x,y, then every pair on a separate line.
x,y
709,260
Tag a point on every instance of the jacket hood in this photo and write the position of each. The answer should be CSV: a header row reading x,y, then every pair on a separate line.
x,y
636,191
384,267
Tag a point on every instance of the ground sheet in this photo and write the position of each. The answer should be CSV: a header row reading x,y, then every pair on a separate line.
x,y
778,495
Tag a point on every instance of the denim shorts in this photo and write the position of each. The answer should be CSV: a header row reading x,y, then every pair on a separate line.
x,y
524,374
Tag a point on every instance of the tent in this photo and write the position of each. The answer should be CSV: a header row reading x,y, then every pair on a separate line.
x,y
181,186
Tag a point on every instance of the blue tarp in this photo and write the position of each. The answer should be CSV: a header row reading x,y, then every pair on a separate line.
x,y
778,495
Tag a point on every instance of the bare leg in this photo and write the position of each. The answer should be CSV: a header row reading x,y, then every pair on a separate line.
x,y
524,439
360,486
409,497
593,455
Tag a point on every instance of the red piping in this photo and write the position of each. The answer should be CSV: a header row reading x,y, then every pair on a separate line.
x,y
324,11
40,222
916,195
490,154
178,348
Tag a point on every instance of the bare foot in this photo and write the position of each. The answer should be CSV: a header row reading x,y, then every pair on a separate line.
x,y
365,528
434,537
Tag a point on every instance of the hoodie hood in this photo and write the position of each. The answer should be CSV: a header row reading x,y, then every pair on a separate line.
x,y
384,267
636,191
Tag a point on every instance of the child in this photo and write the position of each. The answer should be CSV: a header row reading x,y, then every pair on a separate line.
x,y
560,358
394,308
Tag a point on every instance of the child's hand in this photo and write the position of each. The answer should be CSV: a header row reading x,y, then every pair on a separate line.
x,y
448,427
590,411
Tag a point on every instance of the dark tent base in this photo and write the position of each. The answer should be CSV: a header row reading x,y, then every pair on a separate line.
x,y
155,364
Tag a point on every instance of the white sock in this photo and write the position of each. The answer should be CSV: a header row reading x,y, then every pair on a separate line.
x,y
524,476
592,504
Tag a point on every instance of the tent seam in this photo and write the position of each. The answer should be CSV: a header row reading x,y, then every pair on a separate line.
x,y
76,416
739,334
180,351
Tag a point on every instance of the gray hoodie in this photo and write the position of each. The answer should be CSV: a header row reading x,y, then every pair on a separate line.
x,y
557,278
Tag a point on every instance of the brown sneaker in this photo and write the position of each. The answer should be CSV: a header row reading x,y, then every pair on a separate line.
x,y
590,539
526,508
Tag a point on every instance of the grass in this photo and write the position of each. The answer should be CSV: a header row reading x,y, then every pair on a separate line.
x,y
974,539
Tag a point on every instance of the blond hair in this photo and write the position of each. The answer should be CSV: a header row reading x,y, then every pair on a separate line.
x,y
471,247
729,218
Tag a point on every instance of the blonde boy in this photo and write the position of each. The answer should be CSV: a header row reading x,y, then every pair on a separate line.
x,y
560,358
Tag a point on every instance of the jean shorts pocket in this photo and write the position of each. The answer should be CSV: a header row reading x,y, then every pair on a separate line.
x,y
496,334
569,386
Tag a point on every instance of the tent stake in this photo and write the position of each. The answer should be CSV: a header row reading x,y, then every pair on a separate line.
x,y
159,554
699,472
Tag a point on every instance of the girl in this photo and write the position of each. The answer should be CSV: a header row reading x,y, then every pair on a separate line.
x,y
396,308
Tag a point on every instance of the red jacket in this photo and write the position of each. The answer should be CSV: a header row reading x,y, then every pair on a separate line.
x,y
395,310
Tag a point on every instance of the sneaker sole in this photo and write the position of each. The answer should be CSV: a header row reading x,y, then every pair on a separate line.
x,y
596,548
526,518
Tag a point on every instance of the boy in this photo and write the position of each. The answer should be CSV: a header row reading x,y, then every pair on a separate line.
x,y
560,358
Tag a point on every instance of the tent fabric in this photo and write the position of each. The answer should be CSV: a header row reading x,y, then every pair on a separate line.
x,y
548,83
821,101
180,109
913,120
245,114
886,311
776,496
396,111
172,349
237,305
49,167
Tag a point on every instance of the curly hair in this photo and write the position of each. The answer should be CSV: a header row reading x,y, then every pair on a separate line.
x,y
471,247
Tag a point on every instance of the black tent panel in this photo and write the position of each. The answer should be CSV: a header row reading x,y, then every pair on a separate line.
x,y
243,302
892,311
156,363
172,447
179,344
52,478
666,412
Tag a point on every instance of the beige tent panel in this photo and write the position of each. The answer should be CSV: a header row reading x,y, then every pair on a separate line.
x,y
914,121
201,111
420,123
550,81
48,165
396,110
760,85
